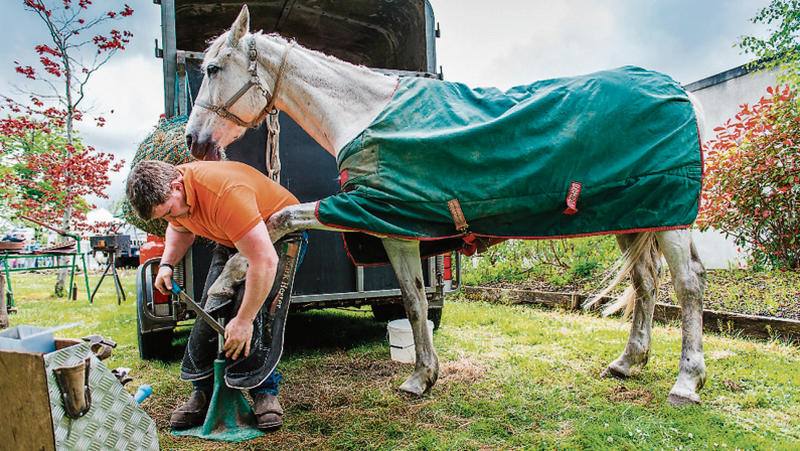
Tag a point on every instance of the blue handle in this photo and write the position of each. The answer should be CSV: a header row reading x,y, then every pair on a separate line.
x,y
175,288
142,393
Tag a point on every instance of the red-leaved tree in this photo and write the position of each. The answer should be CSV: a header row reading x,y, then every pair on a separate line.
x,y
81,38
752,180
42,174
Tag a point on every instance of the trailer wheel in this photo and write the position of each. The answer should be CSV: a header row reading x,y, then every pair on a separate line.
x,y
388,312
153,345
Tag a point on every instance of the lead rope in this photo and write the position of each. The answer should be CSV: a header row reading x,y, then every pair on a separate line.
x,y
273,150
273,156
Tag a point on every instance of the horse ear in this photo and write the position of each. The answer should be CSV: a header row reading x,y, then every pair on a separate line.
x,y
240,26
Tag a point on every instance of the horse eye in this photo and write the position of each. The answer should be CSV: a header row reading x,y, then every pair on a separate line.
x,y
212,69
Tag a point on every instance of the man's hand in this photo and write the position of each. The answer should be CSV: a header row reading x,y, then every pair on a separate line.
x,y
176,242
238,335
163,280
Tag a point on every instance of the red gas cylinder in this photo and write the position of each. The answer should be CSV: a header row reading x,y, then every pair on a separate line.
x,y
154,247
448,270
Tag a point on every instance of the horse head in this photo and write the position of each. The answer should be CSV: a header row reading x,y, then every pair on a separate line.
x,y
232,96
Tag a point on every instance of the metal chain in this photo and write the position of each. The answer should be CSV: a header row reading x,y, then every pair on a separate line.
x,y
273,150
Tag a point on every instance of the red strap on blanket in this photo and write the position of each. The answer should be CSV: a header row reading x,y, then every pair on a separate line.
x,y
458,216
473,244
572,198
343,177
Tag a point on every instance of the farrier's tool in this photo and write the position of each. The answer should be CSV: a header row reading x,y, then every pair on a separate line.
x,y
194,306
229,417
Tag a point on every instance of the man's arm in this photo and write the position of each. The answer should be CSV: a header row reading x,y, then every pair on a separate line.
x,y
262,259
176,242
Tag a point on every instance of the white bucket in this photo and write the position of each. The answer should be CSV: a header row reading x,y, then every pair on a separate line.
x,y
401,340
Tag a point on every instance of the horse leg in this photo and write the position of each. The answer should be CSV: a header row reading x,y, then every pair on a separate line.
x,y
289,219
405,259
295,217
689,279
646,276
232,275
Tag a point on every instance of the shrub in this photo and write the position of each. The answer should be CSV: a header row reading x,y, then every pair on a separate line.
x,y
559,262
752,180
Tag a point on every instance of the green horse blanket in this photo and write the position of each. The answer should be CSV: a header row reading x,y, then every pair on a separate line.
x,y
610,152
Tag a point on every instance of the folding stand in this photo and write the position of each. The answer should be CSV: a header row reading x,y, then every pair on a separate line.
x,y
111,256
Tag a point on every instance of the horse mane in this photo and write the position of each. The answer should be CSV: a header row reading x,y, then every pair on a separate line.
x,y
215,44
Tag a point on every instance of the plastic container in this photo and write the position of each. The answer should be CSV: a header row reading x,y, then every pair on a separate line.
x,y
28,338
401,340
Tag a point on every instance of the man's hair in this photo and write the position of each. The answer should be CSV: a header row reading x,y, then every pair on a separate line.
x,y
149,185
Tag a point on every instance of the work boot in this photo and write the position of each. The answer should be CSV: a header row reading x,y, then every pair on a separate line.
x,y
192,413
268,410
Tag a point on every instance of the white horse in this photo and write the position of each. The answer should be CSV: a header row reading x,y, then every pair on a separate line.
x,y
334,101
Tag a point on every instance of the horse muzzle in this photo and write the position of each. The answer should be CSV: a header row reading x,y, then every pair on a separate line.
x,y
203,149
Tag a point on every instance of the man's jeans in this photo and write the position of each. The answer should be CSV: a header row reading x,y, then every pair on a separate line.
x,y
201,350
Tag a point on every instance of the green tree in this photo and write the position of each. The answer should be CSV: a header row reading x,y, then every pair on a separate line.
x,y
781,49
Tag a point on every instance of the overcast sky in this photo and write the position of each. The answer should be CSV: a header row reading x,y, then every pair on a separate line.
x,y
501,43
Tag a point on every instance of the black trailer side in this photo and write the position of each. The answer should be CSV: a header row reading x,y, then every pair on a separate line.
x,y
390,35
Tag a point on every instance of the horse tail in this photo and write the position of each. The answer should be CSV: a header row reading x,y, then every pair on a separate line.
x,y
643,250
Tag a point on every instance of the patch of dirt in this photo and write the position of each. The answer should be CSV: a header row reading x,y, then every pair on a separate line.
x,y
330,388
464,370
621,393
335,383
733,385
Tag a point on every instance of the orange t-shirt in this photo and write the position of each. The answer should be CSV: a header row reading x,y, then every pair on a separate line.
x,y
227,199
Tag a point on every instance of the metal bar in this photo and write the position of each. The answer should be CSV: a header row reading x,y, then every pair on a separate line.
x,y
181,94
8,281
85,273
38,268
431,33
359,278
170,49
61,232
202,314
310,298
189,55
105,271
71,277
117,282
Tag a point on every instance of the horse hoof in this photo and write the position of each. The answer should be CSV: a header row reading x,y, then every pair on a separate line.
x,y
683,400
615,371
412,388
417,385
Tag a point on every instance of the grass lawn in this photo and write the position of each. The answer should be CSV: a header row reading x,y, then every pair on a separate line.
x,y
511,377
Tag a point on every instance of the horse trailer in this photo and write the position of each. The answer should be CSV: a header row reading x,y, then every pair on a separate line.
x,y
396,36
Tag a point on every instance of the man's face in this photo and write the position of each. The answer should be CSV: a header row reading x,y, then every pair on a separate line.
x,y
175,206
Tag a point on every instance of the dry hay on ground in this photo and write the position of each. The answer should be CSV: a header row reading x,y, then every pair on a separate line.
x,y
621,393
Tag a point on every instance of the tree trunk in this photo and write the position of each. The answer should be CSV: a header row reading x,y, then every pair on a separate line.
x,y
62,274
58,289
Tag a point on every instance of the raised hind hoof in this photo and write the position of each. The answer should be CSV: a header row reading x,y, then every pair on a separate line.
x,y
683,399
616,371
417,384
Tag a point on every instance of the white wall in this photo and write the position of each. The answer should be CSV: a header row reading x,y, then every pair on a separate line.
x,y
720,102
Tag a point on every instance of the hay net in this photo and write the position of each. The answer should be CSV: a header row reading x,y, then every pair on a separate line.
x,y
167,143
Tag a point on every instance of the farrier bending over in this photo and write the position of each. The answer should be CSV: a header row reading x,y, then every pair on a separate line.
x,y
227,202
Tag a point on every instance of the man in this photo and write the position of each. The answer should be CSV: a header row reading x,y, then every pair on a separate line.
x,y
227,202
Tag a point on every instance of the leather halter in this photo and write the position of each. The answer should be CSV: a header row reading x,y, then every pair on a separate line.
x,y
223,110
